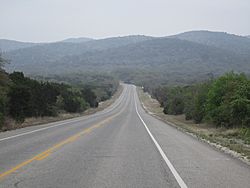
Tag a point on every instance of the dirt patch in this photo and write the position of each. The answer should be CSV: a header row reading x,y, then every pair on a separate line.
x,y
227,140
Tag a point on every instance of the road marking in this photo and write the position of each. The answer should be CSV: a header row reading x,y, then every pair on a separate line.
x,y
37,130
72,121
43,157
178,178
46,153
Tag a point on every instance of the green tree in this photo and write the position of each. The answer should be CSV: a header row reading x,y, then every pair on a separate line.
x,y
73,101
200,99
4,84
175,102
228,101
90,97
19,97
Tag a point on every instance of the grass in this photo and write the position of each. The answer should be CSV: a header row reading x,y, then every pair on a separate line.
x,y
236,139
10,124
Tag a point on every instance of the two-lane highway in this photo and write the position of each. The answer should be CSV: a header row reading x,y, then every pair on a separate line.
x,y
121,146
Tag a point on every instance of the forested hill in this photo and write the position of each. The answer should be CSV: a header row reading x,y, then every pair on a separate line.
x,y
12,45
230,42
181,57
9,45
34,58
77,40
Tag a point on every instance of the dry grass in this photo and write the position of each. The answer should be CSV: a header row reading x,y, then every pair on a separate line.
x,y
10,124
229,138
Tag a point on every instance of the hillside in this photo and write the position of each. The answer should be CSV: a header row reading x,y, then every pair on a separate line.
x,y
12,45
8,45
77,40
230,42
40,56
157,53
181,58
162,56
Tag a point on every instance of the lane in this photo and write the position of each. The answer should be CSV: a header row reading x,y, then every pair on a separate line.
x,y
198,164
177,176
33,129
115,149
18,149
118,154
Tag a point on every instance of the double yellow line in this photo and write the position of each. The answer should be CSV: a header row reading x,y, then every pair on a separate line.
x,y
46,153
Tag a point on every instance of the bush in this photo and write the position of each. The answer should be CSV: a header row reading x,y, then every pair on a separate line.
x,y
19,97
224,101
245,134
175,101
75,104
90,97
228,102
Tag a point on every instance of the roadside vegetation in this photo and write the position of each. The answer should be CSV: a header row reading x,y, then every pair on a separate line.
x,y
22,97
224,101
217,110
102,84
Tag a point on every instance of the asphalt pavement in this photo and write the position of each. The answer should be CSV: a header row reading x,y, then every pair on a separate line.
x,y
121,146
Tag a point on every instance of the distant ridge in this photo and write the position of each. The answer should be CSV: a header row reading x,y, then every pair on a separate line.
x,y
77,40
38,56
8,45
188,55
230,42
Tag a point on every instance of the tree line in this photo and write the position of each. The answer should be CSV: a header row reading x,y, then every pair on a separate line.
x,y
224,102
22,97
26,97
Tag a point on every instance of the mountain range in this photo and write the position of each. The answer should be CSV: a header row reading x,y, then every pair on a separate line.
x,y
189,54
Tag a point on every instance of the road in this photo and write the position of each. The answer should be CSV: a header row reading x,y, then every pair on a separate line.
x,y
121,146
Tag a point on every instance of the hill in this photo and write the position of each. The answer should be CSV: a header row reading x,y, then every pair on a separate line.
x,y
40,56
182,58
77,40
11,45
8,45
230,42
162,54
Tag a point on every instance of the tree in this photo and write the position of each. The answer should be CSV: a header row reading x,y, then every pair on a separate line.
x,y
90,97
4,84
200,99
19,102
228,101
175,102
73,101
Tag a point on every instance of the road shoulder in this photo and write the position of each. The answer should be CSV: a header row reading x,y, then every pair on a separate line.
x,y
208,134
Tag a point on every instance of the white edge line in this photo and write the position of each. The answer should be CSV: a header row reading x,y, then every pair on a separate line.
x,y
178,178
67,122
37,130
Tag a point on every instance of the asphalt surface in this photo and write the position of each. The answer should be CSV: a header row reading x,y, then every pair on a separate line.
x,y
122,146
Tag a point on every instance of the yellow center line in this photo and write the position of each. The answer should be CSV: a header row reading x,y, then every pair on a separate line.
x,y
43,157
46,153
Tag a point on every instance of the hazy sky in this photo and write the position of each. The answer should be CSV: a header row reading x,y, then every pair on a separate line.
x,y
52,20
